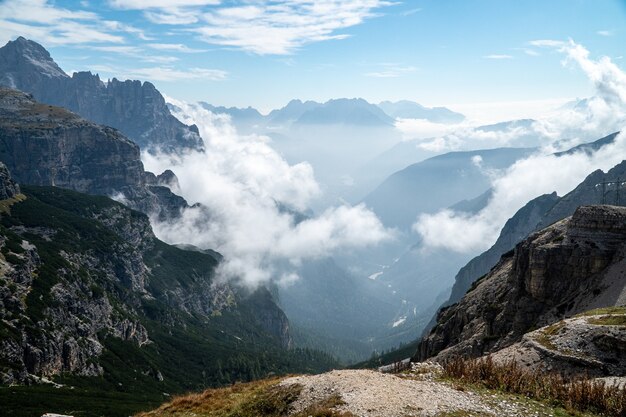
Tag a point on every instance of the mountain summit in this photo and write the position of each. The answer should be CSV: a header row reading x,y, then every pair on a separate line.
x,y
137,109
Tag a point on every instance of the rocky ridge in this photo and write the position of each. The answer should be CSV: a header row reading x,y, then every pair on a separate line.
x,y
562,270
48,145
137,109
91,272
537,214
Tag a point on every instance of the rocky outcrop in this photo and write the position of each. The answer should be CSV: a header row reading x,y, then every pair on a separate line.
x,y
137,109
8,187
48,145
81,274
537,214
590,344
555,273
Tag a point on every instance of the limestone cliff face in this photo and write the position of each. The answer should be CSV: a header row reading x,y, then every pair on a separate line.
x,y
137,109
537,214
48,145
559,271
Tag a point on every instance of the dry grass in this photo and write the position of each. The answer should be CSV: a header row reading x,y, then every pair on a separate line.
x,y
606,310
265,398
608,320
579,395
262,398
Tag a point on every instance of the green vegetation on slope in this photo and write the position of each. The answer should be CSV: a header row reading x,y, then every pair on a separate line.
x,y
187,351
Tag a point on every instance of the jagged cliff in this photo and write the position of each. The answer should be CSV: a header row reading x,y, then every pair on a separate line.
x,y
137,109
48,145
540,213
87,290
564,269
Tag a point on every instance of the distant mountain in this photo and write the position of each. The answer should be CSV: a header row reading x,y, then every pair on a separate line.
x,y
437,182
137,109
410,110
237,114
346,111
291,112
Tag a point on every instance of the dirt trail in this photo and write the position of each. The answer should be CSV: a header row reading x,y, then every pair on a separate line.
x,y
367,393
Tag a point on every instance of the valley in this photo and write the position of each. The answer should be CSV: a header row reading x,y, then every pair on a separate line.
x,y
261,208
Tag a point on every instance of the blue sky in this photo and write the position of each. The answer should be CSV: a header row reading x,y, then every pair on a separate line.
x,y
264,53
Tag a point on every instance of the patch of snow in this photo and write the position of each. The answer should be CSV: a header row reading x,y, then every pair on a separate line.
x,y
375,275
399,321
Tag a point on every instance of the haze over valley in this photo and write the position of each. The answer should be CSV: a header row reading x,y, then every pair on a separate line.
x,y
199,194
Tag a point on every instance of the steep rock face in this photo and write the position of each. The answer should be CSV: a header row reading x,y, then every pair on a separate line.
x,y
516,228
539,213
48,145
90,275
8,187
137,109
554,273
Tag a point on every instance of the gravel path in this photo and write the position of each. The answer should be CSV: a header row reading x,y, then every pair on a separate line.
x,y
369,393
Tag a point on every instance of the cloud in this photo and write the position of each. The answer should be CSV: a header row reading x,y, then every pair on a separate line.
x,y
159,4
249,196
498,56
543,173
604,33
45,22
391,71
411,11
281,28
175,47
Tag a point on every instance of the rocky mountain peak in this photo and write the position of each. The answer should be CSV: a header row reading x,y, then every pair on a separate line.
x,y
30,58
137,109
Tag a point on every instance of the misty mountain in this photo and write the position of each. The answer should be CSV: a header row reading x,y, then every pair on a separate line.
x,y
137,109
354,111
239,115
438,182
291,112
405,109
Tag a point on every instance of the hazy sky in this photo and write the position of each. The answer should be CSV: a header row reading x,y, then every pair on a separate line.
x,y
264,53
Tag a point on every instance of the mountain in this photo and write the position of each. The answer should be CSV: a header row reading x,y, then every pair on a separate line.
x,y
248,115
48,145
436,183
567,268
405,109
89,297
346,111
137,109
538,213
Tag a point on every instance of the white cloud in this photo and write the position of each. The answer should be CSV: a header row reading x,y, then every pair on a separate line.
x,y
248,194
162,4
391,71
498,56
175,47
283,27
543,173
43,21
604,33
172,16
411,11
